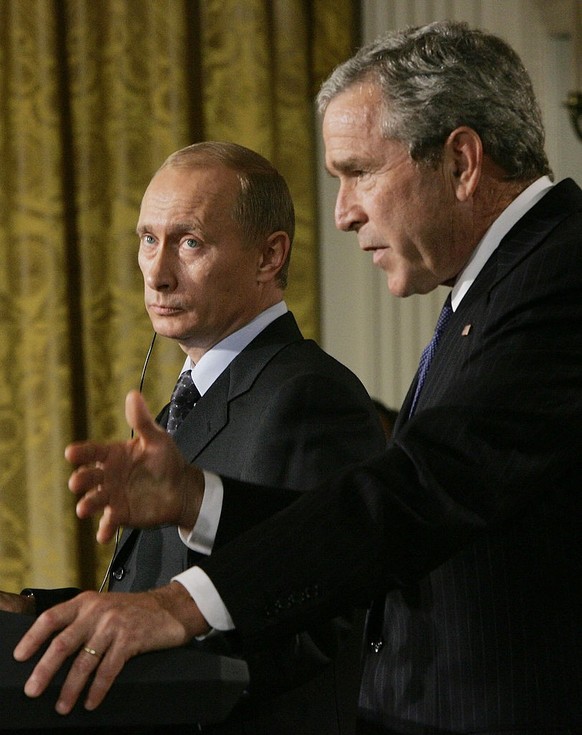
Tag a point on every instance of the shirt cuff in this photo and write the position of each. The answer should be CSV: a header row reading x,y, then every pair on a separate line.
x,y
206,597
201,537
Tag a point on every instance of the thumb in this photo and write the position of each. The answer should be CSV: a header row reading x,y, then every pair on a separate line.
x,y
138,416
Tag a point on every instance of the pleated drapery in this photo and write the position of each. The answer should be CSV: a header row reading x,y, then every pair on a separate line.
x,y
95,94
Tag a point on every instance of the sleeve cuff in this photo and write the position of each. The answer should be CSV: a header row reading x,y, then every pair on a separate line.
x,y
206,597
201,537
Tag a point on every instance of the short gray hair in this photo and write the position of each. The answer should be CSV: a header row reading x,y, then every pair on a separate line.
x,y
264,204
440,76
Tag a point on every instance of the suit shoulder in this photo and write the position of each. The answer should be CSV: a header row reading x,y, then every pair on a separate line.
x,y
308,357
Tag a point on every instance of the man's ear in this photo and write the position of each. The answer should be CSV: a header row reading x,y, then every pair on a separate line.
x,y
274,254
463,153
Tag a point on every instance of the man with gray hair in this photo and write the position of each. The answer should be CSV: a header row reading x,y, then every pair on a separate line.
x,y
465,532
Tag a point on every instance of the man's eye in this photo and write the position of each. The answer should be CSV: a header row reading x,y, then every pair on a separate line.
x,y
191,242
148,240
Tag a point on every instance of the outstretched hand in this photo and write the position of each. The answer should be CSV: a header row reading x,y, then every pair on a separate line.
x,y
142,482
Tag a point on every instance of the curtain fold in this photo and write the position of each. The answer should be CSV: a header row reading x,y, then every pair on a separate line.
x,y
95,94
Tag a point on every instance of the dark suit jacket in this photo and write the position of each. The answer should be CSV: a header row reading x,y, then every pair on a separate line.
x,y
470,520
283,413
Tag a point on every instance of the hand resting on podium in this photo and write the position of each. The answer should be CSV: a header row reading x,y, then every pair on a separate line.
x,y
141,482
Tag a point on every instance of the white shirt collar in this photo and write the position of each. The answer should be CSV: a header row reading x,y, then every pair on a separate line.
x,y
218,358
490,241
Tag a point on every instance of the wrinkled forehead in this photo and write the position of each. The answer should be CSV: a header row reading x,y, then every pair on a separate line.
x,y
351,124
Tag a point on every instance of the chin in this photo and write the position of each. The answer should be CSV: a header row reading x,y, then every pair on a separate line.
x,y
398,288
163,329
402,289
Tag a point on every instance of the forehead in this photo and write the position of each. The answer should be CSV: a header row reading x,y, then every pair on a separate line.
x,y
191,189
353,117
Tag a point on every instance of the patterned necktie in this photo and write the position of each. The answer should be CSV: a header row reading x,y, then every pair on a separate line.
x,y
183,398
158,553
429,351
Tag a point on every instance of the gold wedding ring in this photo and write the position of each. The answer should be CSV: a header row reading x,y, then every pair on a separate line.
x,y
91,651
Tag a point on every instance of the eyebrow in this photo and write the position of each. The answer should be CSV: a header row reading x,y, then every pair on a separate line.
x,y
347,166
175,227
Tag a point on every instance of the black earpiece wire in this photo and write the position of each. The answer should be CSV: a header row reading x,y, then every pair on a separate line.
x,y
118,532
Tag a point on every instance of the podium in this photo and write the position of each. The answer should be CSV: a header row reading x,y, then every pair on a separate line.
x,y
163,688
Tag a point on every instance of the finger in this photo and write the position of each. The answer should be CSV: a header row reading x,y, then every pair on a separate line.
x,y
107,672
88,660
80,453
108,525
38,633
139,417
85,478
92,502
59,650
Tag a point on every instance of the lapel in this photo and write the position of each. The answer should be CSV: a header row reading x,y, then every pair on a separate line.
x,y
525,236
210,414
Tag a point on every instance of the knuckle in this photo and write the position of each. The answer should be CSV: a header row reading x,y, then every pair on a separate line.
x,y
49,618
84,664
107,673
63,645
113,621
87,597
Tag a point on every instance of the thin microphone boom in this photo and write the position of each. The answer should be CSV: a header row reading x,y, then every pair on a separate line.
x,y
146,362
117,533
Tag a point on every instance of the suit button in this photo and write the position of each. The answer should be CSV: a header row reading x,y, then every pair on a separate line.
x,y
377,645
118,574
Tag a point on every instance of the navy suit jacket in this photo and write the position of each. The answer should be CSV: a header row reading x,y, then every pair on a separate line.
x,y
283,413
470,521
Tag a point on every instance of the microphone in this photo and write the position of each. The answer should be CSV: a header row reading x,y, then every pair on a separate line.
x,y
146,361
145,367
118,532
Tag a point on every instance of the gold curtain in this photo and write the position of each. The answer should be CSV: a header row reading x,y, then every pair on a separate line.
x,y
94,95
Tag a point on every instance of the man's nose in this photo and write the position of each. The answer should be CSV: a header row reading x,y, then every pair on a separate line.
x,y
349,214
160,271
